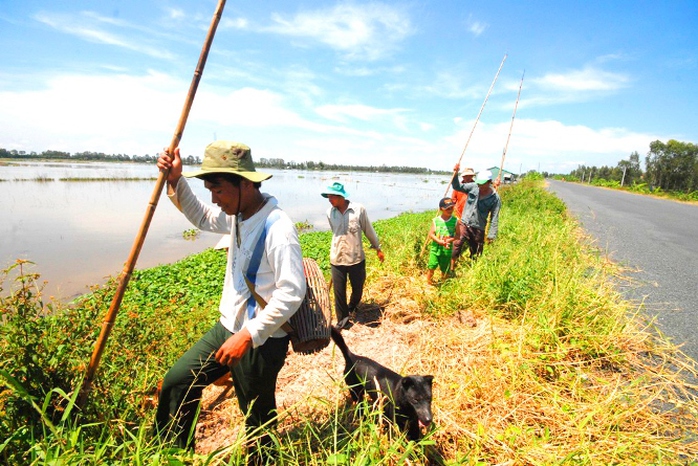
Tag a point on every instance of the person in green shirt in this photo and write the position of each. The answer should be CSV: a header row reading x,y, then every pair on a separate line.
x,y
442,232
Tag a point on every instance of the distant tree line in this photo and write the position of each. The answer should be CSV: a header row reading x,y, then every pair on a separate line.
x,y
88,156
191,160
670,166
322,166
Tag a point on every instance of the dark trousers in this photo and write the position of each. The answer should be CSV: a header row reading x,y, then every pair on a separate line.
x,y
473,237
357,277
254,379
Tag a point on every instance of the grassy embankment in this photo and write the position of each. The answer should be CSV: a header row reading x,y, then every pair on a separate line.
x,y
536,360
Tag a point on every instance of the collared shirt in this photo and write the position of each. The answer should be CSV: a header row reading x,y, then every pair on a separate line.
x,y
346,234
478,209
489,206
472,191
279,280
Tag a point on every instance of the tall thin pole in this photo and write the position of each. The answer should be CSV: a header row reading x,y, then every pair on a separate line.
x,y
482,107
125,276
511,125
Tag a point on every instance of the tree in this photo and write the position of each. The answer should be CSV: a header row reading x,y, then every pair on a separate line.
x,y
630,169
672,166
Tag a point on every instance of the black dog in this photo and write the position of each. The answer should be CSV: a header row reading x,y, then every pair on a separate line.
x,y
408,398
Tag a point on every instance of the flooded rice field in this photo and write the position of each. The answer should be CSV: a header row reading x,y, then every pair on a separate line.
x,y
79,232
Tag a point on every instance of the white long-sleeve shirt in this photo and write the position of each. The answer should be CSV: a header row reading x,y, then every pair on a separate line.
x,y
347,248
279,280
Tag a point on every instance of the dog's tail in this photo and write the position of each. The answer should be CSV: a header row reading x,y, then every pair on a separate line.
x,y
336,335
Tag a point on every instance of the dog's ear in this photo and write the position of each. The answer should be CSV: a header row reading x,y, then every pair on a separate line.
x,y
410,381
407,382
429,379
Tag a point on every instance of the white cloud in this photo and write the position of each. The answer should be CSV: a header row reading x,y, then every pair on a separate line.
x,y
574,86
551,144
476,27
370,31
175,13
584,80
246,107
107,113
234,23
356,111
116,113
450,85
87,26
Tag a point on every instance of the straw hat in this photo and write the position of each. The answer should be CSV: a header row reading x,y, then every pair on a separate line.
x,y
468,172
228,157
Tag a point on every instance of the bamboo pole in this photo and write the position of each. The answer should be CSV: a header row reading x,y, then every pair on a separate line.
x,y
482,107
130,264
511,125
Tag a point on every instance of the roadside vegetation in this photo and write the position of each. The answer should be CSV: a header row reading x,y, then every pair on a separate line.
x,y
536,360
671,172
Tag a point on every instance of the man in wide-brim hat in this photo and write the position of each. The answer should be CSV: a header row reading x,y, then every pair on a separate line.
x,y
265,255
347,220
482,206
467,176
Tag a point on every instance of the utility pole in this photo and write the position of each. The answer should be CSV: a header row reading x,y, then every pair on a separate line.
x,y
622,180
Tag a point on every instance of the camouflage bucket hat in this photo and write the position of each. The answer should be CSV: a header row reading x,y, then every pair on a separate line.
x,y
228,157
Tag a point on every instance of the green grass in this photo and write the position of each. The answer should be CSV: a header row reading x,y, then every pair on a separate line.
x,y
640,188
559,369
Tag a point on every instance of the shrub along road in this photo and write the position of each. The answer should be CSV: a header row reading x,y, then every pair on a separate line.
x,y
657,239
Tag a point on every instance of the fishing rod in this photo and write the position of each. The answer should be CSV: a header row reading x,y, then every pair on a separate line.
x,y
478,117
125,276
511,125
482,107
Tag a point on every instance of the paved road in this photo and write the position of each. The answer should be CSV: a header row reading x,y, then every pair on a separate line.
x,y
658,240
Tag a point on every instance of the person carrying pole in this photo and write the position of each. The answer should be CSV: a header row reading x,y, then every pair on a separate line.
x,y
483,205
125,276
460,198
467,142
247,340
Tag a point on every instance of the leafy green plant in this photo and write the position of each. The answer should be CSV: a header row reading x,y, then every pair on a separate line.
x,y
303,226
316,245
38,359
191,234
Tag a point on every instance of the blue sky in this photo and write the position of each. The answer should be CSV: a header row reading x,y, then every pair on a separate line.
x,y
361,83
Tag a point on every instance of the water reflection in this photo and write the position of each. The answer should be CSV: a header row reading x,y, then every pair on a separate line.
x,y
79,233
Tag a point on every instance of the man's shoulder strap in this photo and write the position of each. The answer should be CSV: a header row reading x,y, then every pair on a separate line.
x,y
255,262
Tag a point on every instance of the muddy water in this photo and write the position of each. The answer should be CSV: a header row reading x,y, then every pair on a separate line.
x,y
79,233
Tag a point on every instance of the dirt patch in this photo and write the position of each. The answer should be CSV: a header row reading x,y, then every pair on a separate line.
x,y
309,383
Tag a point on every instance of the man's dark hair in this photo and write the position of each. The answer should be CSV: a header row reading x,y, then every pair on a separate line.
x,y
216,178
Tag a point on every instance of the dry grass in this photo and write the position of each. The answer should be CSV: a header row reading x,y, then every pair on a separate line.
x,y
494,400
536,359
